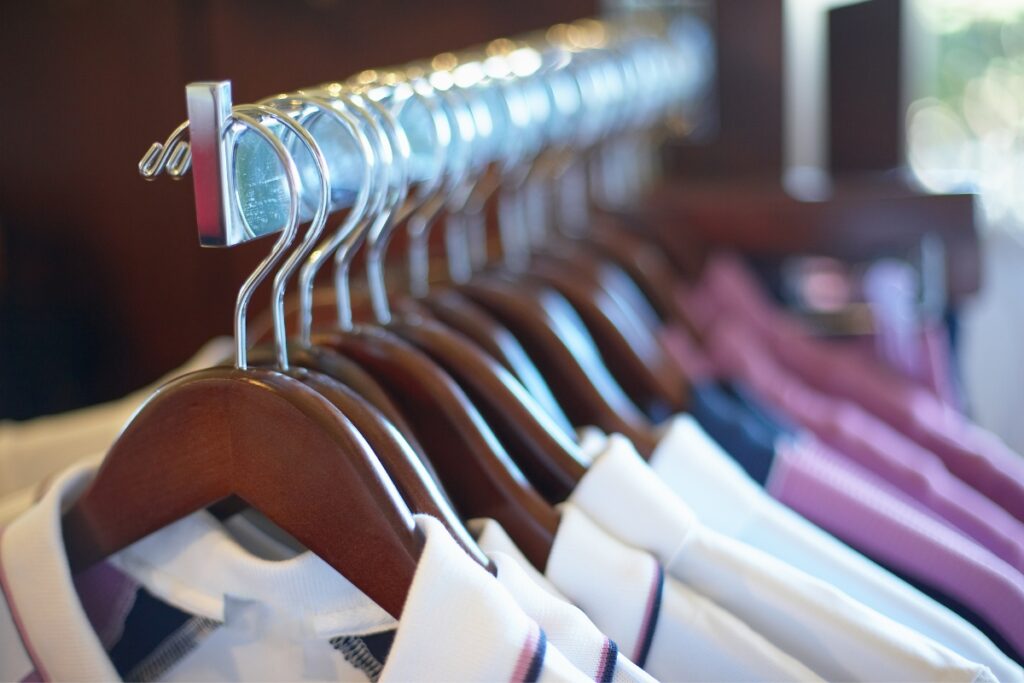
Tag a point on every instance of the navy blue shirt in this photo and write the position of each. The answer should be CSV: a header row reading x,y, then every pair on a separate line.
x,y
741,427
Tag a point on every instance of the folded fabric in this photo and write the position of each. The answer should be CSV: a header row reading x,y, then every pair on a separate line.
x,y
186,604
868,441
567,627
976,456
833,634
674,633
729,501
873,517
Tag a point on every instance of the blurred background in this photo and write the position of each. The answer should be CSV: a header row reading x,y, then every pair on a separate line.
x,y
838,105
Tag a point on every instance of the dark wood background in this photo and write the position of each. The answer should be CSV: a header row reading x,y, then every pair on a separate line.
x,y
102,284
103,287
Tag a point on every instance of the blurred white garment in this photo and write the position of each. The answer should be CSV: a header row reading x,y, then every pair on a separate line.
x,y
813,621
34,450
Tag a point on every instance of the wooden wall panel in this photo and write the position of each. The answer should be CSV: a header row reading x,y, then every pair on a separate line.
x,y
102,284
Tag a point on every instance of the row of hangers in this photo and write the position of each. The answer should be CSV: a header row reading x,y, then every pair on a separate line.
x,y
460,400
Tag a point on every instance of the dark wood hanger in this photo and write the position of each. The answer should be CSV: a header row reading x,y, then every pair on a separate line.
x,y
416,484
647,264
548,457
557,341
353,376
275,443
632,354
404,466
475,469
462,314
642,259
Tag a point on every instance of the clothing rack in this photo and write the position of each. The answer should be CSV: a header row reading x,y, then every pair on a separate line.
x,y
576,458
678,76
579,104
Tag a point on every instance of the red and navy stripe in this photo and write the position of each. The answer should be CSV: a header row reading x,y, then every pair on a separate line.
x,y
531,658
651,614
609,658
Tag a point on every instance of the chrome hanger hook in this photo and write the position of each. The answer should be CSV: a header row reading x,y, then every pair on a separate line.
x,y
371,195
315,257
316,228
382,229
455,165
280,246
476,123
173,155
395,142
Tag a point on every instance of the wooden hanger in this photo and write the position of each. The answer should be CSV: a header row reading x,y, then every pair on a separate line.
x,y
477,472
633,355
551,332
548,457
259,435
646,265
462,314
559,343
275,443
405,467
569,371
350,374
475,469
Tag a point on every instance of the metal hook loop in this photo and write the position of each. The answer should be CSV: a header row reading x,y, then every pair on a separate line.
x,y
157,157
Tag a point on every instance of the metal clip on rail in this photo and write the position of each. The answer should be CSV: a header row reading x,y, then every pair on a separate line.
x,y
218,152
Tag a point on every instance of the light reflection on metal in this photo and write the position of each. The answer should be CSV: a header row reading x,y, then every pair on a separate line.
x,y
574,87
209,111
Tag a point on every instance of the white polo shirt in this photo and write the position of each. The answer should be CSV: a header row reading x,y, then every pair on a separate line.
x,y
660,624
167,609
727,500
836,636
565,625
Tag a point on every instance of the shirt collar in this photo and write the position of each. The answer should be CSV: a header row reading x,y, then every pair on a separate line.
x,y
697,470
461,624
616,585
192,564
622,494
197,566
492,538
457,619
37,581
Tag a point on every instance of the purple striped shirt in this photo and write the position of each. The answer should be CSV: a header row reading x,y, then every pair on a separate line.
x,y
975,456
871,443
871,515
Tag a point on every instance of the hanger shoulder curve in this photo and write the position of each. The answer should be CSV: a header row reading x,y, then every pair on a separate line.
x,y
546,455
557,342
632,354
405,467
464,315
469,459
276,444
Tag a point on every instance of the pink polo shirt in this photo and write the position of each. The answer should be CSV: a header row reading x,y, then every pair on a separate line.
x,y
871,443
977,457
872,516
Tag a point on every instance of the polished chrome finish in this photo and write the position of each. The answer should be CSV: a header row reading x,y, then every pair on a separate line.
x,y
548,125
395,210
173,155
312,234
316,257
209,111
348,235
277,252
